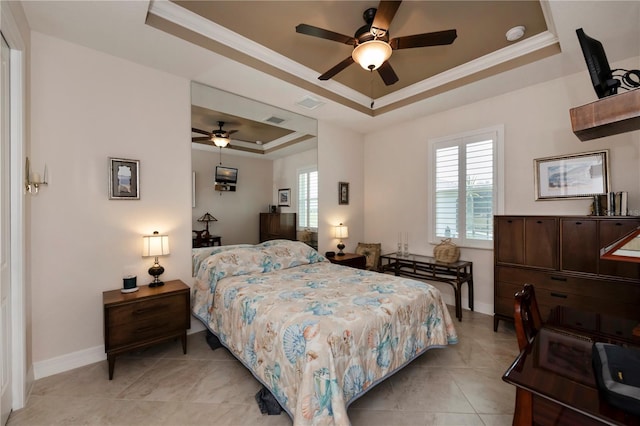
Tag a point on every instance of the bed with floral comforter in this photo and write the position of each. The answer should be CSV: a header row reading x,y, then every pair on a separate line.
x,y
317,335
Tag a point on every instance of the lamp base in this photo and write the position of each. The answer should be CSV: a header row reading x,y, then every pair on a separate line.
x,y
340,247
156,284
155,271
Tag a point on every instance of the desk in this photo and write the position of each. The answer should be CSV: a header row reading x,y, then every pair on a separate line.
x,y
428,268
562,390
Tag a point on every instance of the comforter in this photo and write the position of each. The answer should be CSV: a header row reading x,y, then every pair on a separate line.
x,y
317,335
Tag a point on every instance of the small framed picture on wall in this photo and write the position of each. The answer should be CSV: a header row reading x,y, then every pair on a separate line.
x,y
284,195
124,179
343,192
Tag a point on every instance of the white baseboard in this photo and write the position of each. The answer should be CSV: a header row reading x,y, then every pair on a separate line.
x,y
72,360
68,362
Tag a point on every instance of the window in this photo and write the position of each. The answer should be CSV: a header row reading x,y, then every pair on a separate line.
x,y
308,198
466,187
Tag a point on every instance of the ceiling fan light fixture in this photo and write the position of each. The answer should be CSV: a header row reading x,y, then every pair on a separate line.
x,y
220,141
371,54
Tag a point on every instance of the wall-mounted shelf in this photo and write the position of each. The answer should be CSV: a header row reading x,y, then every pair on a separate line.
x,y
607,116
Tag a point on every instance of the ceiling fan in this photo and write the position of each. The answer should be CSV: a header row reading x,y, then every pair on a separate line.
x,y
219,137
372,46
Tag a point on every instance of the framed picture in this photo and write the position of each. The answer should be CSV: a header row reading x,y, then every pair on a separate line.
x,y
572,176
343,193
565,354
284,195
124,179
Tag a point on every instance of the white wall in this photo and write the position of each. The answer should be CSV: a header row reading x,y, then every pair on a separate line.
x,y
237,212
340,159
285,175
87,106
537,124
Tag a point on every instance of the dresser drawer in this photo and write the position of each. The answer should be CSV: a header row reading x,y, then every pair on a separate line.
x,y
158,309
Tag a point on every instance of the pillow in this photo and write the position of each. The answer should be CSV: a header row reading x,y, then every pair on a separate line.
x,y
200,254
372,252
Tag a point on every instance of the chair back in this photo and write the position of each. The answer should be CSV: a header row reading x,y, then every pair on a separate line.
x,y
526,316
371,252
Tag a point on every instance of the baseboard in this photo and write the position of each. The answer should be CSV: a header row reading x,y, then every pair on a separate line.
x,y
72,360
68,362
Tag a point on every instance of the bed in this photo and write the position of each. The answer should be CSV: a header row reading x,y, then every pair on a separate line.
x,y
317,335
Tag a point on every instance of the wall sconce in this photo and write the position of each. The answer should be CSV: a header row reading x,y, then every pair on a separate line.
x,y
33,180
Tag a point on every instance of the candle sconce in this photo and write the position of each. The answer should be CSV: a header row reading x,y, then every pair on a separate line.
x,y
33,181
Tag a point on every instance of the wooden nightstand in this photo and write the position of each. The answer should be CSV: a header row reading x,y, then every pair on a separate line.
x,y
350,259
144,318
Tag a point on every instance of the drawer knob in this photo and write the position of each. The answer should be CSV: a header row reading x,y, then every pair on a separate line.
x,y
558,278
560,295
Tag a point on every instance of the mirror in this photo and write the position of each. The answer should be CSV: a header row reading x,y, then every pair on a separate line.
x,y
267,146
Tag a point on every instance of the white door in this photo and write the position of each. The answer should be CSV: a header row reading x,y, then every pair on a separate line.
x,y
5,241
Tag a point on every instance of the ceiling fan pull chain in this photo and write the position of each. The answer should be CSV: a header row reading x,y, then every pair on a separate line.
x,y
372,100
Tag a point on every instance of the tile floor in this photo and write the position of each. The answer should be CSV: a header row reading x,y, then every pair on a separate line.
x,y
457,385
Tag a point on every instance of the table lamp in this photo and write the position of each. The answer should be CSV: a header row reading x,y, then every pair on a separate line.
x,y
155,245
341,232
206,218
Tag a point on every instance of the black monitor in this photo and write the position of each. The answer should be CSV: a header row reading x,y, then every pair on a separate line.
x,y
226,175
599,70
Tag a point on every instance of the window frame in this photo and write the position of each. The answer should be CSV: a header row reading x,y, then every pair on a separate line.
x,y
462,139
306,170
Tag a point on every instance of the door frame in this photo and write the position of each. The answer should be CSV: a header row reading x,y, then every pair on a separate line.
x,y
10,31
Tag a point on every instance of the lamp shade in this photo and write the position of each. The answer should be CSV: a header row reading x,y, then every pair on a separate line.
x,y
155,245
220,141
342,231
371,54
207,217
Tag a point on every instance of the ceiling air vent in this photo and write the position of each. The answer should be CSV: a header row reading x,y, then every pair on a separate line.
x,y
309,102
274,120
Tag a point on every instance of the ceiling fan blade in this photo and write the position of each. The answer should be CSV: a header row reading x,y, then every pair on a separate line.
x,y
384,15
437,38
200,139
202,132
230,132
326,34
387,73
335,70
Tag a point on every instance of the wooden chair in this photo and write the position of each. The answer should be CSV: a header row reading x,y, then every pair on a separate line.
x,y
526,316
527,323
371,252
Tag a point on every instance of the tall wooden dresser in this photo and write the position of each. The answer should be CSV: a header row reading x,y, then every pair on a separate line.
x,y
560,256
274,226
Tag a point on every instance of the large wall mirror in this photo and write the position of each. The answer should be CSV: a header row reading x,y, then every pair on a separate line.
x,y
267,149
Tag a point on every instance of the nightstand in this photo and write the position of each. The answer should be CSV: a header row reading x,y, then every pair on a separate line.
x,y
144,318
350,259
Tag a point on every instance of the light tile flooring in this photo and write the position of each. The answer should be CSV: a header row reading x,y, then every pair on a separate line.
x,y
457,385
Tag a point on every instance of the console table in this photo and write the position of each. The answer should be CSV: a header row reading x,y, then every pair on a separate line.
x,y
428,268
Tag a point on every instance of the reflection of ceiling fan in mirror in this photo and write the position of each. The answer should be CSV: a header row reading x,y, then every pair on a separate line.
x,y
219,137
372,46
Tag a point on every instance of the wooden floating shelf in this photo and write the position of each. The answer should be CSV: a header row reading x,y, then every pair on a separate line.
x,y
607,116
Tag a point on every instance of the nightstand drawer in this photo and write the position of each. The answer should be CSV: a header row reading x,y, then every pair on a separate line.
x,y
147,311
146,329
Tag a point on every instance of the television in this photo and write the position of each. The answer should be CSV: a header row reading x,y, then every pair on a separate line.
x,y
599,70
227,175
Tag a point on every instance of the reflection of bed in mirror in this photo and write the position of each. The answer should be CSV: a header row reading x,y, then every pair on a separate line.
x,y
315,334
